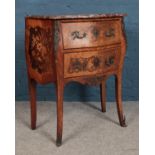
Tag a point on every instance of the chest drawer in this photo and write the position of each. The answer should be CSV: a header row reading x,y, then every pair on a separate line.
x,y
90,34
90,63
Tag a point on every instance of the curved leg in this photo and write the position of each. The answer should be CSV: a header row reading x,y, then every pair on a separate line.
x,y
60,89
118,87
103,95
32,92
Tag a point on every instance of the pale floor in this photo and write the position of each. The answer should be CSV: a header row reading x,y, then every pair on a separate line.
x,y
87,131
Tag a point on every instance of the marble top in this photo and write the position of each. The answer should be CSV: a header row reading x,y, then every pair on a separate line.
x,y
77,16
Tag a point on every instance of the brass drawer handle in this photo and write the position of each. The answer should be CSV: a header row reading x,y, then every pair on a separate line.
x,y
77,35
83,64
109,61
110,33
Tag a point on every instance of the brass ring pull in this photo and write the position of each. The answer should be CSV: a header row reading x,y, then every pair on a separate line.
x,y
77,35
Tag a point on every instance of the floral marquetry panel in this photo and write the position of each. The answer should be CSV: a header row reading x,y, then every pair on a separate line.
x,y
39,49
39,52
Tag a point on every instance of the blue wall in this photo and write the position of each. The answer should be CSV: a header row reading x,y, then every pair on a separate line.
x,y
75,91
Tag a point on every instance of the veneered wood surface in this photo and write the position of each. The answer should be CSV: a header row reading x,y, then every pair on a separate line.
x,y
90,63
39,50
90,33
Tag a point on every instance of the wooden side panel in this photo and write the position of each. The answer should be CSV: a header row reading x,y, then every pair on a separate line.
x,y
39,50
91,63
90,33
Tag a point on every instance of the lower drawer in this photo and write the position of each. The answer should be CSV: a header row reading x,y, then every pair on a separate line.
x,y
90,63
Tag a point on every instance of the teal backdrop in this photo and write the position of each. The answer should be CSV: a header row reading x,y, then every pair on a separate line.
x,y
75,91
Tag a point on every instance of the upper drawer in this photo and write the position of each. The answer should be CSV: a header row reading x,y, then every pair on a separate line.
x,y
90,34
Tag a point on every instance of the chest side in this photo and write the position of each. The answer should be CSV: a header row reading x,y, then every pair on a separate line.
x,y
39,49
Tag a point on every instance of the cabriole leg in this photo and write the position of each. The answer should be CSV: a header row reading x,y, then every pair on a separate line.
x,y
60,90
103,95
118,91
32,92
